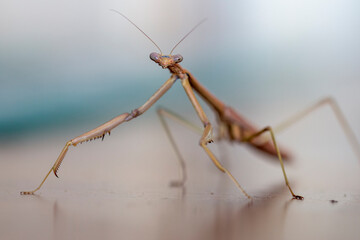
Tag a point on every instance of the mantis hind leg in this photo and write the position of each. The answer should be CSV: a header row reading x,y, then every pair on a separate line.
x,y
339,115
269,129
203,143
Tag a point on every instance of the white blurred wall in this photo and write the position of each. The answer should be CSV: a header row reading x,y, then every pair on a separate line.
x,y
62,60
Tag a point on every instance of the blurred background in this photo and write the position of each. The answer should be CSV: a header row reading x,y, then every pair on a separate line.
x,y
69,66
72,64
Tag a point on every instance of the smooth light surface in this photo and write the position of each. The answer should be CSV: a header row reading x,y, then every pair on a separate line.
x,y
119,188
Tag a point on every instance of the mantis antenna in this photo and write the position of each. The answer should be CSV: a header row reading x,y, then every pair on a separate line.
x,y
151,39
188,34
137,28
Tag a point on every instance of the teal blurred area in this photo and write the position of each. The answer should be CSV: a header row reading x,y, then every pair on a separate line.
x,y
75,64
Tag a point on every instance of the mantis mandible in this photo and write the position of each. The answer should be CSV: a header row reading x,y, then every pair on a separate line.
x,y
232,125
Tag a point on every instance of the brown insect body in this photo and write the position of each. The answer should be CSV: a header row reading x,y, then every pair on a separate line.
x,y
237,127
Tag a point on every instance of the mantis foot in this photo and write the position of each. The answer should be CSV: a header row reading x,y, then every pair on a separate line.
x,y
298,197
27,193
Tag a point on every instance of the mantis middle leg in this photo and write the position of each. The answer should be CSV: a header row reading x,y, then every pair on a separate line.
x,y
162,113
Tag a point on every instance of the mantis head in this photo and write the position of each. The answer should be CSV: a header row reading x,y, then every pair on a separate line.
x,y
166,61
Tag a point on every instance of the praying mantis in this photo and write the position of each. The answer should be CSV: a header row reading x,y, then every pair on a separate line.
x,y
233,127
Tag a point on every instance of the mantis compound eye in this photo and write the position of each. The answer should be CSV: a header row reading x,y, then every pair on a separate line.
x,y
177,58
155,57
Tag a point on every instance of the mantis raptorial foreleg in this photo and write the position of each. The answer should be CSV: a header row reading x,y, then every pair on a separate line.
x,y
207,133
100,131
339,115
269,129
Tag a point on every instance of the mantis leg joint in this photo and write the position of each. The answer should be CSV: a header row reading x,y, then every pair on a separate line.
x,y
134,113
